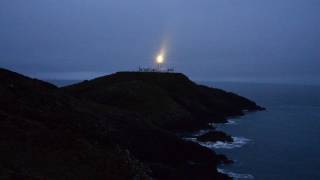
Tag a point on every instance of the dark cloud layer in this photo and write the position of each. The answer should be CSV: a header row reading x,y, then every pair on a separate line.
x,y
206,39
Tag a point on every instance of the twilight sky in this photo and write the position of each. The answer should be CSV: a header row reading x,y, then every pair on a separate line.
x,y
206,39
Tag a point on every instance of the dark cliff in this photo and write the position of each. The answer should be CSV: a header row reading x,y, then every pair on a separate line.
x,y
170,100
120,126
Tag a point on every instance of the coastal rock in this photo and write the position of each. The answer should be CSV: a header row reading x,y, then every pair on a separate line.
x,y
214,136
224,159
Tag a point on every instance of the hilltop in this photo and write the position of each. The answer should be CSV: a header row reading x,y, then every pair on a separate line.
x,y
171,100
120,126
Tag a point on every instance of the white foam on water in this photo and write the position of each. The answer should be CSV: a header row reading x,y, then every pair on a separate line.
x,y
236,176
190,139
237,143
201,132
231,122
212,125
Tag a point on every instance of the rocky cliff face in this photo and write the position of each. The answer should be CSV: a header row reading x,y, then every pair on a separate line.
x,y
120,126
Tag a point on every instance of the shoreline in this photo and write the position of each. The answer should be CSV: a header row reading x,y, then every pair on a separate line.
x,y
237,142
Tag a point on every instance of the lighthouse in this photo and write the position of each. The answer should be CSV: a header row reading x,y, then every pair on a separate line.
x,y
159,61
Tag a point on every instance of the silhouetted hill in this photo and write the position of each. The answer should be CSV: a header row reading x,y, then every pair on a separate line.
x,y
120,126
169,100
45,134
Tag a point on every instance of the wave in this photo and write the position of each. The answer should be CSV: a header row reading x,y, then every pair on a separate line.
x,y
236,176
237,143
201,132
213,127
231,122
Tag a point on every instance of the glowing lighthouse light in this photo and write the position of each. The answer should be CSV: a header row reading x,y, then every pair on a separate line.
x,y
160,59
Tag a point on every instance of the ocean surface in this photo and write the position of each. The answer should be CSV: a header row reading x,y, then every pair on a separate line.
x,y
282,143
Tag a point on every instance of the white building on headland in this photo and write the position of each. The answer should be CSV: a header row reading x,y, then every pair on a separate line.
x,y
166,70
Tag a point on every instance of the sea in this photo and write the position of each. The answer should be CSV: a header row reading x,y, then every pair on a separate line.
x,y
281,143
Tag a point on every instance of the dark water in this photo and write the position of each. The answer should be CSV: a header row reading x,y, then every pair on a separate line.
x,y
280,143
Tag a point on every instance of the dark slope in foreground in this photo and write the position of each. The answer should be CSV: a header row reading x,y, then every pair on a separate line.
x,y
170,100
45,134
115,127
